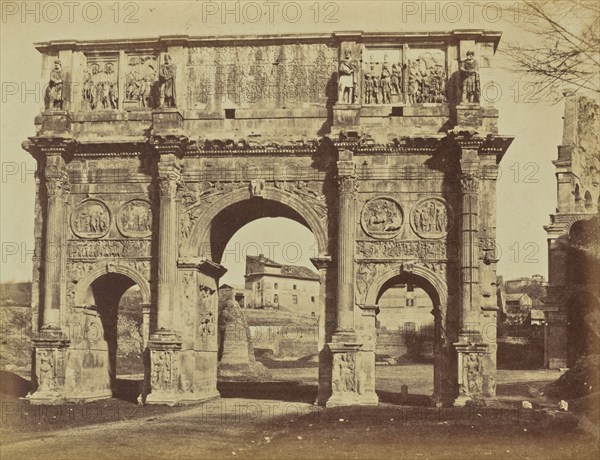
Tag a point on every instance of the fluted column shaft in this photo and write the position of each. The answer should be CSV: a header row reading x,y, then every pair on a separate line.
x,y
469,254
168,178
57,186
346,237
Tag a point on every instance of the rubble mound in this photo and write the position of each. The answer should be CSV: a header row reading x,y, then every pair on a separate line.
x,y
581,380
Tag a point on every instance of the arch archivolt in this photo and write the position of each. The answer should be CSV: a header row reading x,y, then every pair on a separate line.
x,y
104,267
195,222
388,271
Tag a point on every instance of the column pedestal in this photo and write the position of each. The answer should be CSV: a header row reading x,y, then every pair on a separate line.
x,y
50,346
164,346
471,375
352,379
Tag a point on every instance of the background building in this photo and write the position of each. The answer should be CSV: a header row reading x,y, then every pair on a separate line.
x,y
287,287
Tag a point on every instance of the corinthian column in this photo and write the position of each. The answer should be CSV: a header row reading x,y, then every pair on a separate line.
x,y
469,254
57,187
168,178
346,237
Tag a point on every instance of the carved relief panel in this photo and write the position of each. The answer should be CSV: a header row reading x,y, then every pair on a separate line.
x,y
91,219
100,83
382,218
383,76
141,78
426,76
134,219
432,218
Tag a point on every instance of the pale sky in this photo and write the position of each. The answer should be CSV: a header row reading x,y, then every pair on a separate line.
x,y
526,188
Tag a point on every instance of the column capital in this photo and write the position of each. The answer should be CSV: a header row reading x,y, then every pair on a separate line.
x,y
469,182
56,176
322,262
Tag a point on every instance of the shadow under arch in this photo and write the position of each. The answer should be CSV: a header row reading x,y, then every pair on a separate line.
x,y
100,293
83,286
220,219
436,289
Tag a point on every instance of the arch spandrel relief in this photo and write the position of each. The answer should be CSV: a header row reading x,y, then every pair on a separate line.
x,y
382,217
432,218
91,218
134,219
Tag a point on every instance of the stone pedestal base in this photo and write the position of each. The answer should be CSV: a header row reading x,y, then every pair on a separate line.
x,y
164,346
471,372
50,347
353,373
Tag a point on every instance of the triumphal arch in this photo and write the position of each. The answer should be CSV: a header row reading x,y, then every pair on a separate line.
x,y
152,153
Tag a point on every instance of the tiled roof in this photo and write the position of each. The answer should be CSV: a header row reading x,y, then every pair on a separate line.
x,y
291,271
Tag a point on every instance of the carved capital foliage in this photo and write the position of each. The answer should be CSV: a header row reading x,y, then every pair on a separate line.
x,y
347,185
169,175
469,183
56,176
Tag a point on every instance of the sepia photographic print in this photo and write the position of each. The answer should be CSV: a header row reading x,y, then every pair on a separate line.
x,y
282,229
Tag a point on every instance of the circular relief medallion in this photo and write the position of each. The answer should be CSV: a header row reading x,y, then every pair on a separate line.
x,y
135,219
432,218
382,218
90,219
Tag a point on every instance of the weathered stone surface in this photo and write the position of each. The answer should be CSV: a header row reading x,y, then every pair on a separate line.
x,y
161,149
237,360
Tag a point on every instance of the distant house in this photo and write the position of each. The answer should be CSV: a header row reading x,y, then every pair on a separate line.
x,y
537,317
274,285
241,295
518,304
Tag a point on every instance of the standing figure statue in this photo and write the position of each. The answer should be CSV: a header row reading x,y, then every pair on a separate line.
x,y
54,92
167,83
469,72
386,86
396,80
347,79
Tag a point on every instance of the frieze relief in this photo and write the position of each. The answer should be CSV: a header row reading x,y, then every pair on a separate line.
x,y
424,249
308,191
134,249
100,86
271,76
382,218
90,219
141,80
135,219
432,218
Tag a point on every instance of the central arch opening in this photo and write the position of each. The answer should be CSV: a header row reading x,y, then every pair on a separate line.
x,y
266,247
408,332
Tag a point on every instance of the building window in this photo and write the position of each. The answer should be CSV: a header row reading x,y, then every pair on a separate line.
x,y
312,298
294,287
275,298
275,285
294,299
410,302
